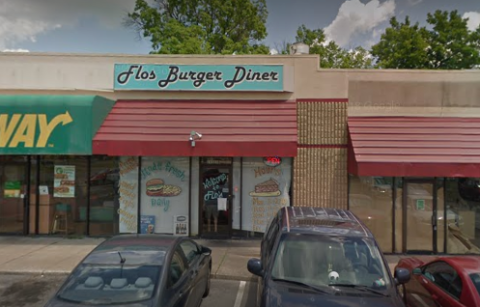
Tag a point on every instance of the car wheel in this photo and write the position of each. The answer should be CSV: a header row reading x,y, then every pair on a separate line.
x,y
207,287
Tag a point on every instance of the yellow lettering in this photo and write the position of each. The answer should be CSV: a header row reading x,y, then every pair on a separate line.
x,y
46,128
25,132
6,131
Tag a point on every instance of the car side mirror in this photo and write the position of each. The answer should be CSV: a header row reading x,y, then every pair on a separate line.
x,y
254,266
205,251
402,276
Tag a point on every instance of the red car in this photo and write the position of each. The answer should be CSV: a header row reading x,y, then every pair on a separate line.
x,y
443,281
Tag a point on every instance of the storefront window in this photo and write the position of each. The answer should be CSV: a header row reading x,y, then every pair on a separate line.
x,y
462,199
104,196
265,189
398,215
13,189
370,199
128,193
63,189
164,195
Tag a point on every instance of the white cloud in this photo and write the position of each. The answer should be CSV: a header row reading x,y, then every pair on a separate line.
x,y
16,50
355,18
473,20
414,2
24,20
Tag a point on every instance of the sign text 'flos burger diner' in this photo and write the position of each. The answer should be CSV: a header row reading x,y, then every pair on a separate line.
x,y
199,77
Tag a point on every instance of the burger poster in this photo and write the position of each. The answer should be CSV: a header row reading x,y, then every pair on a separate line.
x,y
265,190
64,181
164,187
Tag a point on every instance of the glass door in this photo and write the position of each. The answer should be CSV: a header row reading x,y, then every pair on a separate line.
x,y
13,195
419,216
215,201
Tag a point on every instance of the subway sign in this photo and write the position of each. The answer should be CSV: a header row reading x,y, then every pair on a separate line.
x,y
30,130
268,78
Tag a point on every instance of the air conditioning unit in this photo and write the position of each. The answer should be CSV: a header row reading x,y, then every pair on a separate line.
x,y
299,48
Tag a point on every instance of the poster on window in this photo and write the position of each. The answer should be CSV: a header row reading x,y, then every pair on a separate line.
x,y
180,225
265,189
164,188
64,181
128,191
12,189
147,224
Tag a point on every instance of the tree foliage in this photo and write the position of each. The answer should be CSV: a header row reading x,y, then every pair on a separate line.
x,y
445,44
331,54
202,26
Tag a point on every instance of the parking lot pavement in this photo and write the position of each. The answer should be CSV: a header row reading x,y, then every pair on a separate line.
x,y
28,290
36,290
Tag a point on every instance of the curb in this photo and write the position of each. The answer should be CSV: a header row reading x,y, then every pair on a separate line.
x,y
66,273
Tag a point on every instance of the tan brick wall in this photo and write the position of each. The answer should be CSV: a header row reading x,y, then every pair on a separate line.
x,y
322,123
320,169
320,178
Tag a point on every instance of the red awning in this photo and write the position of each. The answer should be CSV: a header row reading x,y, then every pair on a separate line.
x,y
414,146
228,128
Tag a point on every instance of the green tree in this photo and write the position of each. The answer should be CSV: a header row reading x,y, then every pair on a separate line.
x,y
202,26
331,54
448,44
403,45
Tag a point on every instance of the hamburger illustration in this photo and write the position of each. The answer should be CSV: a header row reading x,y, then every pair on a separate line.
x,y
269,188
157,188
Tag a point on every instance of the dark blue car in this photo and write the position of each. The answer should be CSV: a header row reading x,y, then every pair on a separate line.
x,y
323,257
139,270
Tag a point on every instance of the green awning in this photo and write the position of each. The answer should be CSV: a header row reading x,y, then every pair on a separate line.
x,y
50,124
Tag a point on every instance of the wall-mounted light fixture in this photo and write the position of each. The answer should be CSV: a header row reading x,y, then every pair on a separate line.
x,y
194,135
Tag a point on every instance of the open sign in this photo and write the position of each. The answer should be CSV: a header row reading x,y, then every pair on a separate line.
x,y
181,218
272,161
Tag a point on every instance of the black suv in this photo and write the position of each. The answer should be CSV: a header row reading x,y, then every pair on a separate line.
x,y
323,257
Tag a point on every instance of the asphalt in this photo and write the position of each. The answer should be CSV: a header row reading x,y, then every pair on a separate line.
x,y
58,255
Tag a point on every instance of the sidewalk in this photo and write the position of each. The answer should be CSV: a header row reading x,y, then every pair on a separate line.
x,y
55,255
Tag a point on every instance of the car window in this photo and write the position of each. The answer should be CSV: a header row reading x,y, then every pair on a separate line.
x,y
190,250
445,277
109,284
177,268
322,260
476,281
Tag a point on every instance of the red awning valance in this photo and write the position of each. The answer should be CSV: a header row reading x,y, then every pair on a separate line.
x,y
228,128
414,146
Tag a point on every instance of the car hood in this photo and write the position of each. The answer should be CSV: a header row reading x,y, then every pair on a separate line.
x,y
284,295
60,303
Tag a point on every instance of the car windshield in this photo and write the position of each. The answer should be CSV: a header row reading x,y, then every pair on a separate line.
x,y
319,260
475,277
105,283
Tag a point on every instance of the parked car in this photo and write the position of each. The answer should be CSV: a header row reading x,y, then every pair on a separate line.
x,y
323,257
443,281
139,270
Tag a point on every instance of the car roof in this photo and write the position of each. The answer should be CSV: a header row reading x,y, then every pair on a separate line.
x,y
135,248
468,264
328,221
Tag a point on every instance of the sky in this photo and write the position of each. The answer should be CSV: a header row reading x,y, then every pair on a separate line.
x,y
95,26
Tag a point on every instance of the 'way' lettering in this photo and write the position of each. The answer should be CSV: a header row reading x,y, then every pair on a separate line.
x,y
18,128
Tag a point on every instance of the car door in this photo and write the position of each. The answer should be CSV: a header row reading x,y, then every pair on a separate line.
x,y
198,271
443,283
266,252
179,285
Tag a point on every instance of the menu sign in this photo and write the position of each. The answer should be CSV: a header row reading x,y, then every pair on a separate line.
x,y
128,191
267,189
64,181
199,77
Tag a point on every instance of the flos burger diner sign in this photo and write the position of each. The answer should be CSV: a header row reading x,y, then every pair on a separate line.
x,y
199,77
